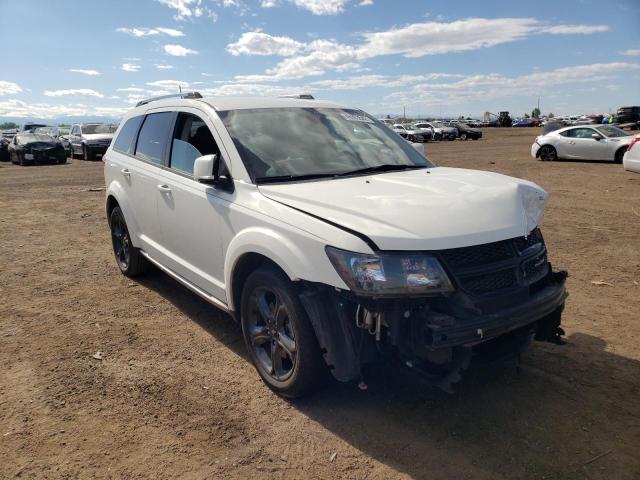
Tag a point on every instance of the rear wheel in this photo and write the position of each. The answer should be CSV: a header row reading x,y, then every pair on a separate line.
x,y
279,336
619,155
548,153
129,259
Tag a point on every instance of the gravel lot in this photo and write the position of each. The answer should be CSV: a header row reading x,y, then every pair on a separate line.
x,y
175,396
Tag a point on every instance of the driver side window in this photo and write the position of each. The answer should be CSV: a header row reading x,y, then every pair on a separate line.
x,y
191,139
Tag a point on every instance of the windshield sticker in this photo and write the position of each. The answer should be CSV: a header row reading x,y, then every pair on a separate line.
x,y
356,118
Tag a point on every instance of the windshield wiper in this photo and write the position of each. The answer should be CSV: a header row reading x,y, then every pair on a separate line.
x,y
380,168
290,178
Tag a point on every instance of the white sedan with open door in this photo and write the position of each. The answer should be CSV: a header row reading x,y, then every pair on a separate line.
x,y
598,142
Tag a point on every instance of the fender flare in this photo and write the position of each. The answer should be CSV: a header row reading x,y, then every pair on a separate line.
x,y
285,253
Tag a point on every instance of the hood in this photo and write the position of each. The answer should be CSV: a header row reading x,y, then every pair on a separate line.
x,y
430,209
39,145
98,136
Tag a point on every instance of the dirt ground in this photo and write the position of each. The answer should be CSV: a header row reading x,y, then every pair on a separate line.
x,y
175,395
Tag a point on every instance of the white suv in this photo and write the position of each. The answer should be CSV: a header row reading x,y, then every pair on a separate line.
x,y
329,237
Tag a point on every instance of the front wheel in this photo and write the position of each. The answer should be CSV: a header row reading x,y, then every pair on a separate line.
x,y
279,336
86,154
548,153
463,136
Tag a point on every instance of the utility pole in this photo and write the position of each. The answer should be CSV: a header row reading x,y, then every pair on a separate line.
x,y
404,112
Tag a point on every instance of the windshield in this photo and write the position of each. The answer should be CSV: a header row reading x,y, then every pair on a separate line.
x,y
298,142
609,131
91,129
34,138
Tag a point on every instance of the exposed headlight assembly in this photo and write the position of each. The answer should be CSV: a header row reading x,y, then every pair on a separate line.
x,y
392,275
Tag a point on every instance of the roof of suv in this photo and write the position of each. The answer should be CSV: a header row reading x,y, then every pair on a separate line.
x,y
243,103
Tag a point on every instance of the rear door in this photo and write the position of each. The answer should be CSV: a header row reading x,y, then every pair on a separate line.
x,y
190,212
139,168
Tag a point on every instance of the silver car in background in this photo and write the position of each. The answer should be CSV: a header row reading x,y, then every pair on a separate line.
x,y
597,142
408,132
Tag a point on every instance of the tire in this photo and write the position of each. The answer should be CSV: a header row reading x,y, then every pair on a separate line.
x,y
548,153
63,159
437,137
411,138
21,161
463,136
619,154
279,336
85,153
129,259
72,152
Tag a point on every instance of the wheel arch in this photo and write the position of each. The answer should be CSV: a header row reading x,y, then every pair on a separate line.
x,y
116,197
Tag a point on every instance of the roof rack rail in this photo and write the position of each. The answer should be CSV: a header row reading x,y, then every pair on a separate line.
x,y
174,95
302,96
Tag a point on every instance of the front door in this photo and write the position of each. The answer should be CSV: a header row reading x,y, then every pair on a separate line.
x,y
190,213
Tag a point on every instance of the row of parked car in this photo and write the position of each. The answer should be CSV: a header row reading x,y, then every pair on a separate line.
x,y
422,132
37,143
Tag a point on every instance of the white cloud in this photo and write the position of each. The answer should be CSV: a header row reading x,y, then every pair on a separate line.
x,y
414,40
9,88
17,108
173,85
575,29
147,32
74,91
84,72
130,89
161,66
317,7
189,9
258,43
130,67
365,3
632,52
178,50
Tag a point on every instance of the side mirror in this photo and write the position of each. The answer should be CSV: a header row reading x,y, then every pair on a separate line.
x,y
206,169
419,147
596,136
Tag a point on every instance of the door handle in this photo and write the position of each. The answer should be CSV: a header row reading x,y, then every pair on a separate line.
x,y
164,188
125,172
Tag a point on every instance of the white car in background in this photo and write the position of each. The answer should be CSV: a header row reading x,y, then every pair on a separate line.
x,y
597,142
631,159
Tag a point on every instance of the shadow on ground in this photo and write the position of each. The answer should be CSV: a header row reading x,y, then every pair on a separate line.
x,y
552,419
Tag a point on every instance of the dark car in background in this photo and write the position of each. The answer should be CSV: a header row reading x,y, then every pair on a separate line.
x,y
465,131
61,134
527,122
4,149
28,148
90,139
628,115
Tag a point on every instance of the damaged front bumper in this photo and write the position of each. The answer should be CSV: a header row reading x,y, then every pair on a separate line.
x,y
439,334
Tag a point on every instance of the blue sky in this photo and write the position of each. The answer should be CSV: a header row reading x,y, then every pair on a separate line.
x,y
98,57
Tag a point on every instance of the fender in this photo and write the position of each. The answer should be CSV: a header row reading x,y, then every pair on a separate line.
x,y
116,191
298,257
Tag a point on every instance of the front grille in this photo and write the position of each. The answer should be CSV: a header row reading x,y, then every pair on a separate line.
x,y
498,267
490,282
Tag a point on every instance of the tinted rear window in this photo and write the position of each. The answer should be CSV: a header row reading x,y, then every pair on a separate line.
x,y
153,137
125,141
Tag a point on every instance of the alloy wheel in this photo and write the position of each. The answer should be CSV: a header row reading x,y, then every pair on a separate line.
x,y
121,243
271,334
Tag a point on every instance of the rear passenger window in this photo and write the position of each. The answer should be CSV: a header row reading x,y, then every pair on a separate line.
x,y
191,139
124,142
153,136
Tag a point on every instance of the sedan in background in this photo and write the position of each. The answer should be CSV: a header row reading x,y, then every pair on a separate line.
x,y
631,159
412,134
29,148
598,142
465,131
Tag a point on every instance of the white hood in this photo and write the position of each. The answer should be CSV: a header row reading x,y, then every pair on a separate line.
x,y
429,209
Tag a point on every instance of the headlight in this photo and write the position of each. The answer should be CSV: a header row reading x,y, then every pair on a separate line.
x,y
390,274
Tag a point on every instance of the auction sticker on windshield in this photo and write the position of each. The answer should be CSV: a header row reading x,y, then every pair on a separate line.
x,y
356,118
